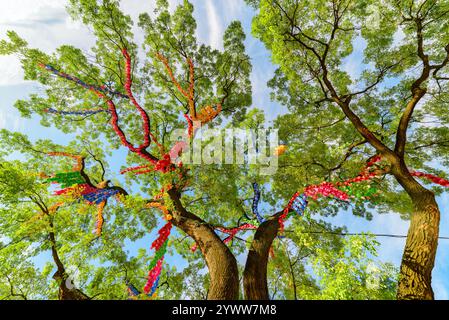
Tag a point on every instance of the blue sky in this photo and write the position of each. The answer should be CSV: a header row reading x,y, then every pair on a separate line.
x,y
45,24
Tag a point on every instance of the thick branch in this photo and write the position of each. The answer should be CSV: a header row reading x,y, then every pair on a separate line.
x,y
417,93
255,274
222,265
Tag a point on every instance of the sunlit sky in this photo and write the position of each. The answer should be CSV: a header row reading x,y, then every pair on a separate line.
x,y
46,25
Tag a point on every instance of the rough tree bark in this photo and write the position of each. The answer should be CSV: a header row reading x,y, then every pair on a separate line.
x,y
222,265
255,284
422,239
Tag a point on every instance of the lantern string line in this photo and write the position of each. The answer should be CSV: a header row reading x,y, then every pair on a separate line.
x,y
102,88
342,190
86,112
328,189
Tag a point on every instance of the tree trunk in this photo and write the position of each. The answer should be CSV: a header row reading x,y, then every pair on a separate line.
x,y
420,249
422,240
66,292
222,265
255,274
61,277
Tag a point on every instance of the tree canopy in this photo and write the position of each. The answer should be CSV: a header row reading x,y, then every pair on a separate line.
x,y
128,97
392,106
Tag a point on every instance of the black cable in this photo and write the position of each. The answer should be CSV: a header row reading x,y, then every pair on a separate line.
x,y
358,234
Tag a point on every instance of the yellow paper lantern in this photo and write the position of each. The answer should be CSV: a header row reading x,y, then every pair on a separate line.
x,y
279,150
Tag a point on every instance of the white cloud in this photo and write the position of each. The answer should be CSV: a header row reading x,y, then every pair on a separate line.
x,y
44,25
18,11
215,25
10,71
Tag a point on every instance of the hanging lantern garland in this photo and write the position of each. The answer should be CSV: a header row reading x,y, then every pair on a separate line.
x,y
99,195
233,231
165,164
74,185
155,267
359,193
161,207
79,159
131,169
159,245
256,200
437,180
103,89
100,219
133,292
67,179
100,91
78,113
298,202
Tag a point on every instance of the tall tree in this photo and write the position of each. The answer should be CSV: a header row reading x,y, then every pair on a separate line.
x,y
384,109
116,96
110,76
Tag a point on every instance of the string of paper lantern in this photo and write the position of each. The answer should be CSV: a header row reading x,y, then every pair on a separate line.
x,y
74,185
99,195
131,169
78,113
431,177
67,179
153,278
189,125
161,207
232,232
143,114
78,158
100,219
155,267
77,190
256,200
359,193
102,89
207,113
299,205
133,292
328,189
164,232
165,164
